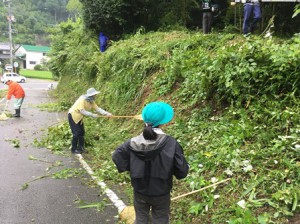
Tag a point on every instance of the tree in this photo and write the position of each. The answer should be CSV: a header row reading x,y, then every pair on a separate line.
x,y
74,7
296,10
117,17
104,15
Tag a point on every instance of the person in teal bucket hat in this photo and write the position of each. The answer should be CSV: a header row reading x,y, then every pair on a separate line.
x,y
152,159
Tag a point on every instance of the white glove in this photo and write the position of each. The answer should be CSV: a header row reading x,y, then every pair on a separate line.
x,y
7,102
2,100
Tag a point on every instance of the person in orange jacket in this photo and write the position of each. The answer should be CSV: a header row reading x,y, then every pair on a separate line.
x,y
16,90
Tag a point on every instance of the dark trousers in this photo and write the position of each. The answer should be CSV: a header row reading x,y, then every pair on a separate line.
x,y
251,10
78,134
206,22
159,207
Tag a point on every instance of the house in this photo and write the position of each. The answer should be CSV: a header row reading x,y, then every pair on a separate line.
x,y
32,55
4,51
5,54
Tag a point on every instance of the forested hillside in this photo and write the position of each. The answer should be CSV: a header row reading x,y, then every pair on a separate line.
x,y
31,20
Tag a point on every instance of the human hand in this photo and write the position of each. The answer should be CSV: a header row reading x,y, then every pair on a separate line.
x,y
2,100
7,102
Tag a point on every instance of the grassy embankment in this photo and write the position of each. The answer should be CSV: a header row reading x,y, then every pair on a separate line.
x,y
36,74
236,104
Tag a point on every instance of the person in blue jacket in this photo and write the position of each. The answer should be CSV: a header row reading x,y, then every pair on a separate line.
x,y
152,158
103,41
251,9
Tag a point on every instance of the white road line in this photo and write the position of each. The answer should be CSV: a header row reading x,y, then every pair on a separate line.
x,y
110,194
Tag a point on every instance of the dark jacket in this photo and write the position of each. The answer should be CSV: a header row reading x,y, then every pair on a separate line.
x,y
207,5
151,163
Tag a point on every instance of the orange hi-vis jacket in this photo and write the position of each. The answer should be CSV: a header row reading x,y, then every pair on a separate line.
x,y
15,89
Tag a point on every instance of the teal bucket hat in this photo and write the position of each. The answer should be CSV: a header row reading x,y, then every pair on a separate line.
x,y
157,113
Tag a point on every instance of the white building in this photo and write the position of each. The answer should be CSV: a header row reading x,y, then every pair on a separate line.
x,y
32,55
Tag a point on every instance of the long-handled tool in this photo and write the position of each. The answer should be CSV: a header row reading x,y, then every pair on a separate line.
x,y
128,213
138,117
201,189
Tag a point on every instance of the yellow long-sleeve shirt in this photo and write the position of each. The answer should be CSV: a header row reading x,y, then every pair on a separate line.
x,y
81,104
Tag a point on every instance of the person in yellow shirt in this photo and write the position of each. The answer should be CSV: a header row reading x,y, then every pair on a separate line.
x,y
76,114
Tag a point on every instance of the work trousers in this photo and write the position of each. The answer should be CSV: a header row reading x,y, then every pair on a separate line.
x,y
159,207
78,134
18,103
251,10
206,22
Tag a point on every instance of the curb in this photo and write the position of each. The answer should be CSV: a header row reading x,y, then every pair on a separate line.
x,y
120,205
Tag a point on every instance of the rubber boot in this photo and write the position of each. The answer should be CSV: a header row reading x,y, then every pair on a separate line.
x,y
74,145
17,114
81,144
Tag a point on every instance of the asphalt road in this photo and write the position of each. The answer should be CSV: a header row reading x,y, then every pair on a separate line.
x,y
46,200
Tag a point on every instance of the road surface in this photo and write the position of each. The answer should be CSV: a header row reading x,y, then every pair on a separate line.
x,y
46,200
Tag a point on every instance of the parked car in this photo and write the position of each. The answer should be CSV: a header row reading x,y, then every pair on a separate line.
x,y
13,77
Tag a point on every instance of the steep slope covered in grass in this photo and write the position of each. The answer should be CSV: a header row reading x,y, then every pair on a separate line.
x,y
236,104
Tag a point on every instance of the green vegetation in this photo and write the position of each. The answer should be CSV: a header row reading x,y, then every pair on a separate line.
x,y
2,94
36,74
236,104
121,17
99,206
236,100
117,18
31,20
14,142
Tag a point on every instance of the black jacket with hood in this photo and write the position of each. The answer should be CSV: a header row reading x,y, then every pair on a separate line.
x,y
151,163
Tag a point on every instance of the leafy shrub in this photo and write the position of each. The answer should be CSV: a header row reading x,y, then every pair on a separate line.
x,y
38,67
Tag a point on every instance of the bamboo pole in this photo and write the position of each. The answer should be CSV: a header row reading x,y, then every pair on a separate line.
x,y
193,192
138,117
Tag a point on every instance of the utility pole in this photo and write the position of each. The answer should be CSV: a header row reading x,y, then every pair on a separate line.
x,y
9,18
10,33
